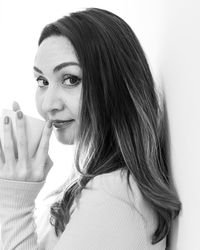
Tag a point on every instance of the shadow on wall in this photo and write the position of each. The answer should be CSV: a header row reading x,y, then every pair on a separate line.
x,y
173,236
166,145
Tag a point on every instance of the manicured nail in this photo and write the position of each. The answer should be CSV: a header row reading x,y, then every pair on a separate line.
x,y
6,120
49,124
19,114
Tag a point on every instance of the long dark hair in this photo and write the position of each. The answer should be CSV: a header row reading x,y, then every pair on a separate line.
x,y
123,119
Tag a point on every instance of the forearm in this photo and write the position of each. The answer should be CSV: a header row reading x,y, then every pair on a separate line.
x,y
17,204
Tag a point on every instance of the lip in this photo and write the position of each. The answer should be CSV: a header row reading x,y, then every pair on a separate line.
x,y
62,124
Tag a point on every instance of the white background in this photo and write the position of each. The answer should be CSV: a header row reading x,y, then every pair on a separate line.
x,y
169,33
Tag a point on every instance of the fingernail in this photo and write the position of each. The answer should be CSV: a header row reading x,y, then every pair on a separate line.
x,y
6,120
15,106
19,114
49,124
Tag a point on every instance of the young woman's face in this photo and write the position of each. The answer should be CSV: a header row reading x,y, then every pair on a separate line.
x,y
58,96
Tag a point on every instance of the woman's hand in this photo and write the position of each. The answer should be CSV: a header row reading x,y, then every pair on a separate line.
x,y
23,168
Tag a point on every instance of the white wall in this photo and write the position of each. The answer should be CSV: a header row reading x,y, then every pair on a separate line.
x,y
179,69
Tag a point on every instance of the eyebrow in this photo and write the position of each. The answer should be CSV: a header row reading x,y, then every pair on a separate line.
x,y
58,67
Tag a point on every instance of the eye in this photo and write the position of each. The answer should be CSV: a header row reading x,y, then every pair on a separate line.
x,y
41,82
73,80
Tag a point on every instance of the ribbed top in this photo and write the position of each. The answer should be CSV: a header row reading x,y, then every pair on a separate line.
x,y
109,216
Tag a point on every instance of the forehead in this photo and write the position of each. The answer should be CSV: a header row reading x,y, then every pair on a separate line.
x,y
55,49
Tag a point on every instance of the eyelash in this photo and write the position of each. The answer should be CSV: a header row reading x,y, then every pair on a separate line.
x,y
69,77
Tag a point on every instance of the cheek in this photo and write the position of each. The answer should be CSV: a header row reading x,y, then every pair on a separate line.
x,y
78,103
73,103
75,108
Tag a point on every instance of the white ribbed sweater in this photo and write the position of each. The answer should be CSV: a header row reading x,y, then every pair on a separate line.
x,y
109,217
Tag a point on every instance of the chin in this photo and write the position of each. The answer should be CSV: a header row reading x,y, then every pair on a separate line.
x,y
65,137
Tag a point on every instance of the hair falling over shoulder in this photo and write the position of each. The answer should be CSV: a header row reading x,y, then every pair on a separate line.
x,y
123,120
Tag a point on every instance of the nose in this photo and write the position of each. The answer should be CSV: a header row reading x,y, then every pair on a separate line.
x,y
52,102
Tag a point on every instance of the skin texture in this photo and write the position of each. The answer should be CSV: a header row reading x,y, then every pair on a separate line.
x,y
24,168
59,97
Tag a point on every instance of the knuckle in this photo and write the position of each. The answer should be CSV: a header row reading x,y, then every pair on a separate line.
x,y
38,175
23,171
51,163
22,174
9,174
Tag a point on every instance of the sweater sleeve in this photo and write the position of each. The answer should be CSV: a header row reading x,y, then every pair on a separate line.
x,y
17,204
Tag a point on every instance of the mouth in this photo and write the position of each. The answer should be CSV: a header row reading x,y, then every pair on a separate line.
x,y
62,124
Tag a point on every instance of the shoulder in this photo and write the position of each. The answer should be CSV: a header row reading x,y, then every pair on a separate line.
x,y
113,189
115,185
108,209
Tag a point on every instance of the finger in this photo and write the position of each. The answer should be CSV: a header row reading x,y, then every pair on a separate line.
x,y
15,106
22,142
48,166
2,157
8,141
43,148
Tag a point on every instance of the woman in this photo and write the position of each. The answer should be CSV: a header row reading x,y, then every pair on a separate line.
x,y
92,72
